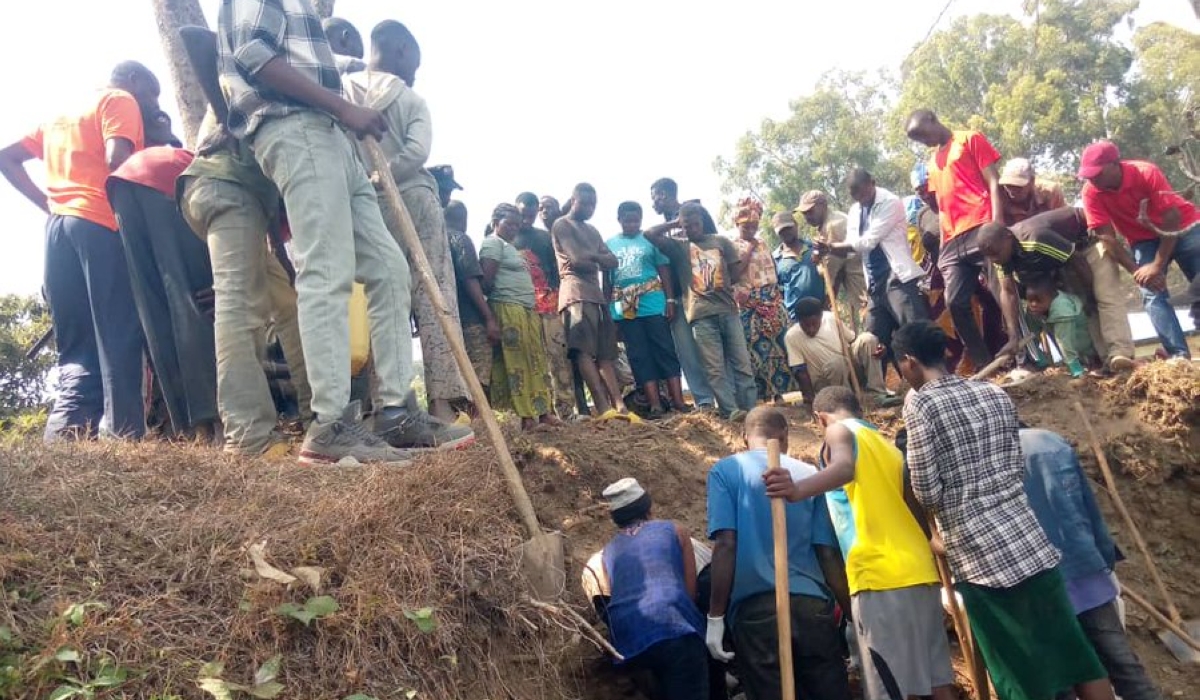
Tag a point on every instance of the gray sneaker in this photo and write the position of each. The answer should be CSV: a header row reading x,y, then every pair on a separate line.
x,y
417,430
345,442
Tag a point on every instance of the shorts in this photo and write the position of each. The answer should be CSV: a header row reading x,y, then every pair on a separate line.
x,y
651,348
902,639
479,350
591,331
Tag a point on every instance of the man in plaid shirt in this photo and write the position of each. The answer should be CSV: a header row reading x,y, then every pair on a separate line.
x,y
966,468
284,93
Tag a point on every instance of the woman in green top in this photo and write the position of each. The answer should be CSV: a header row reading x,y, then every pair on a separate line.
x,y
519,370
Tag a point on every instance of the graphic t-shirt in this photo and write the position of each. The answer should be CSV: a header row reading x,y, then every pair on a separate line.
x,y
710,292
637,289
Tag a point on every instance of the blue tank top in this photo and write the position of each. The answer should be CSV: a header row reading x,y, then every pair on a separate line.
x,y
649,603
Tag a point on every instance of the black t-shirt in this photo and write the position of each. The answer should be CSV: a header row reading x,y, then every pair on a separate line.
x,y
466,266
1043,245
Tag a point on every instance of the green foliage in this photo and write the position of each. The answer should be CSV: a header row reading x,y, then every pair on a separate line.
x,y
76,613
313,609
265,687
425,618
1042,88
23,320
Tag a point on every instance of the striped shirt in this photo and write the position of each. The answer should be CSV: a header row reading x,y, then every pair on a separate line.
x,y
966,467
253,32
1044,243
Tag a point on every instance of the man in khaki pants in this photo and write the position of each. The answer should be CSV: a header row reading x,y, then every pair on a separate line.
x,y
845,272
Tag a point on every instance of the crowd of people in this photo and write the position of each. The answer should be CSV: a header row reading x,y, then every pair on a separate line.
x,y
278,194
196,259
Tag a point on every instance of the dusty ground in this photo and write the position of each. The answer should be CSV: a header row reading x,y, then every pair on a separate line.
x,y
159,534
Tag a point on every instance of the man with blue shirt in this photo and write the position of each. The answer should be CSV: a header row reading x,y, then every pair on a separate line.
x,y
1065,507
743,576
643,311
798,274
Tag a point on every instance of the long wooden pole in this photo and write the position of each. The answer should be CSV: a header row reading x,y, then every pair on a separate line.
x,y
1163,620
1120,504
841,331
962,627
416,253
783,590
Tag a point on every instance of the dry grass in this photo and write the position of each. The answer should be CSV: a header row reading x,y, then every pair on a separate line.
x,y
158,535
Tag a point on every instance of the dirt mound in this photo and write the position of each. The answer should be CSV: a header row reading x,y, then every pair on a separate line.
x,y
158,537
131,563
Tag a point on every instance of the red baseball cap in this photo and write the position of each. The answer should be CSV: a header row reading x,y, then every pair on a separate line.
x,y
1095,157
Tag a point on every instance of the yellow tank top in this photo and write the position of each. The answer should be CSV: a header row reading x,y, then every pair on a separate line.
x,y
885,548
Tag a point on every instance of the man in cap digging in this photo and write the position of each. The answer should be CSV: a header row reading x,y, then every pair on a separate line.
x,y
1022,195
648,570
846,272
798,274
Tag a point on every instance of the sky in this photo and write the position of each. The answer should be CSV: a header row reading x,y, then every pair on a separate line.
x,y
527,94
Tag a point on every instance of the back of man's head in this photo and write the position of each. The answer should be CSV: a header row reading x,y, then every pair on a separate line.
x,y
393,34
809,307
528,199
924,341
859,177
766,423
923,116
836,399
344,38
456,216
136,79
991,233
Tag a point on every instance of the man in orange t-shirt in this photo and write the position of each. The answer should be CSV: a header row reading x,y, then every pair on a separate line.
x,y
964,178
96,325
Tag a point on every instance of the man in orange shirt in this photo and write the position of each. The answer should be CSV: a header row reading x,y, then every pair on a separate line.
x,y
96,324
964,178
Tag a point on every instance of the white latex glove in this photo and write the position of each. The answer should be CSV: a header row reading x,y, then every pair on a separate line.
x,y
714,638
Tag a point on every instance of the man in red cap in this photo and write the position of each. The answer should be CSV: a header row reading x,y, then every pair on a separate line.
x,y
1133,198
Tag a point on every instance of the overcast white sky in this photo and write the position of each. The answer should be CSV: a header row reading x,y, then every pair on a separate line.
x,y
527,94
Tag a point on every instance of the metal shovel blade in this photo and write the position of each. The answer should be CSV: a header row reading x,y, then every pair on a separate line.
x,y
544,565
1179,648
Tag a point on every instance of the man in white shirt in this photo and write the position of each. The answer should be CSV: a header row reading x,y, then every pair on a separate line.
x,y
815,353
877,229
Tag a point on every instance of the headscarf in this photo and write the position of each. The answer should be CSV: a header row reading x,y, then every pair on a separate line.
x,y
748,210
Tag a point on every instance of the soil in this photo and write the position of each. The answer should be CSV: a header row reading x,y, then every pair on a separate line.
x,y
153,500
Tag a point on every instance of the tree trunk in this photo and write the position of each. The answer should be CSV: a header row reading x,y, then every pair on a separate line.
x,y
325,8
170,15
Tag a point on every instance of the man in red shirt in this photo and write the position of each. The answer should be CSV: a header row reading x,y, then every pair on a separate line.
x,y
96,324
1134,199
964,178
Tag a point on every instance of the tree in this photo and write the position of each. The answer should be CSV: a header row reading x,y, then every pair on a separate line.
x,y
170,15
23,320
828,134
1163,100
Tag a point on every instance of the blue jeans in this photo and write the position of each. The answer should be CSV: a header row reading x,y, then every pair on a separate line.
x,y
96,330
689,361
721,344
1158,304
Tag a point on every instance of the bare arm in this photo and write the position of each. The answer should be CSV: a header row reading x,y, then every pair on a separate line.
x,y
1010,306
805,381
116,152
1107,235
689,560
724,556
12,165
489,267
834,570
838,472
279,76
991,174
1081,270
605,258
914,506
658,235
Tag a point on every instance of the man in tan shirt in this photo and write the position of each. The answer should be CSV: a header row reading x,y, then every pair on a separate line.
x,y
846,273
1023,195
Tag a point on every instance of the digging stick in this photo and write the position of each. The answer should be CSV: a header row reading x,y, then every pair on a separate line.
x,y
416,253
962,627
1133,528
841,333
1163,620
783,589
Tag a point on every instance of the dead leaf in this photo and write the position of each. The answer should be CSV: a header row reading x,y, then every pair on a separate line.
x,y
258,554
310,575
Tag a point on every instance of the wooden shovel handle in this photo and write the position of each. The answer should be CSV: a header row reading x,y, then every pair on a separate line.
x,y
1144,604
962,627
1133,528
783,592
402,223
841,332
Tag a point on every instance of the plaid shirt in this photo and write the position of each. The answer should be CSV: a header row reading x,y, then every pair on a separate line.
x,y
250,34
964,456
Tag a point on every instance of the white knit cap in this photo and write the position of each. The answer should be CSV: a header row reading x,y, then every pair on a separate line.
x,y
622,493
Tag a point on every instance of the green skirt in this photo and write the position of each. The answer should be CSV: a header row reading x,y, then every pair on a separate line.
x,y
1030,638
519,368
